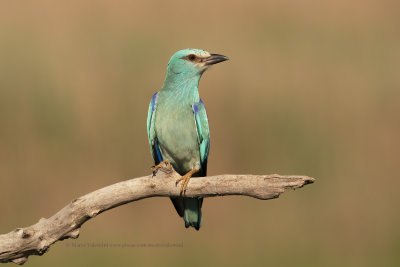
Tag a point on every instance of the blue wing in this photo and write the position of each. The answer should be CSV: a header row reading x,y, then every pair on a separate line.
x,y
151,133
203,134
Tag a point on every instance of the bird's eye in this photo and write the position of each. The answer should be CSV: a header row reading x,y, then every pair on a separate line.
x,y
191,57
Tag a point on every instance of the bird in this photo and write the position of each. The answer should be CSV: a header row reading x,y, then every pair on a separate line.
x,y
177,126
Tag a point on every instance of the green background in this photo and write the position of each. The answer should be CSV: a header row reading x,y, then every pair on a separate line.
x,y
312,88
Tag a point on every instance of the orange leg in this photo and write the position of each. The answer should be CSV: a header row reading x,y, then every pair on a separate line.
x,y
159,165
185,179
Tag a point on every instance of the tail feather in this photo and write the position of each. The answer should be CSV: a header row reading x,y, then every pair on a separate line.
x,y
192,214
178,204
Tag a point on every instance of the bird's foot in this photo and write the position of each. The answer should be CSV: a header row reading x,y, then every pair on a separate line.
x,y
160,165
185,179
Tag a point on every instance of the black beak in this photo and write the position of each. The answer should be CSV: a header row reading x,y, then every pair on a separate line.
x,y
214,59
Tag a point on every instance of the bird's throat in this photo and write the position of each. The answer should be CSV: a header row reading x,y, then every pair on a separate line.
x,y
184,89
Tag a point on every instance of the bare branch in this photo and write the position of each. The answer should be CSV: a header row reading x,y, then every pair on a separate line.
x,y
19,244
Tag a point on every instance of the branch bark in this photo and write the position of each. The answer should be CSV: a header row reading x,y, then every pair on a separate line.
x,y
17,245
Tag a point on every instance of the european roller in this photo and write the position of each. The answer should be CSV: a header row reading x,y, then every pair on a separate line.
x,y
177,125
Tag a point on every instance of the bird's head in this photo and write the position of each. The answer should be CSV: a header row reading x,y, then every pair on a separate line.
x,y
191,63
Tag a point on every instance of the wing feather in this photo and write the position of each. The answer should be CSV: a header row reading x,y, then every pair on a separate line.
x,y
203,134
151,133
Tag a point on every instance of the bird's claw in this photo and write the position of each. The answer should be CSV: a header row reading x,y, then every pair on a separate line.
x,y
185,180
160,165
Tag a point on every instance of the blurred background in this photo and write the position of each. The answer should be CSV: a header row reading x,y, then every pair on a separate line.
x,y
312,88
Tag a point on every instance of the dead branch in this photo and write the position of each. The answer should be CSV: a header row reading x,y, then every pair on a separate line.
x,y
17,245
